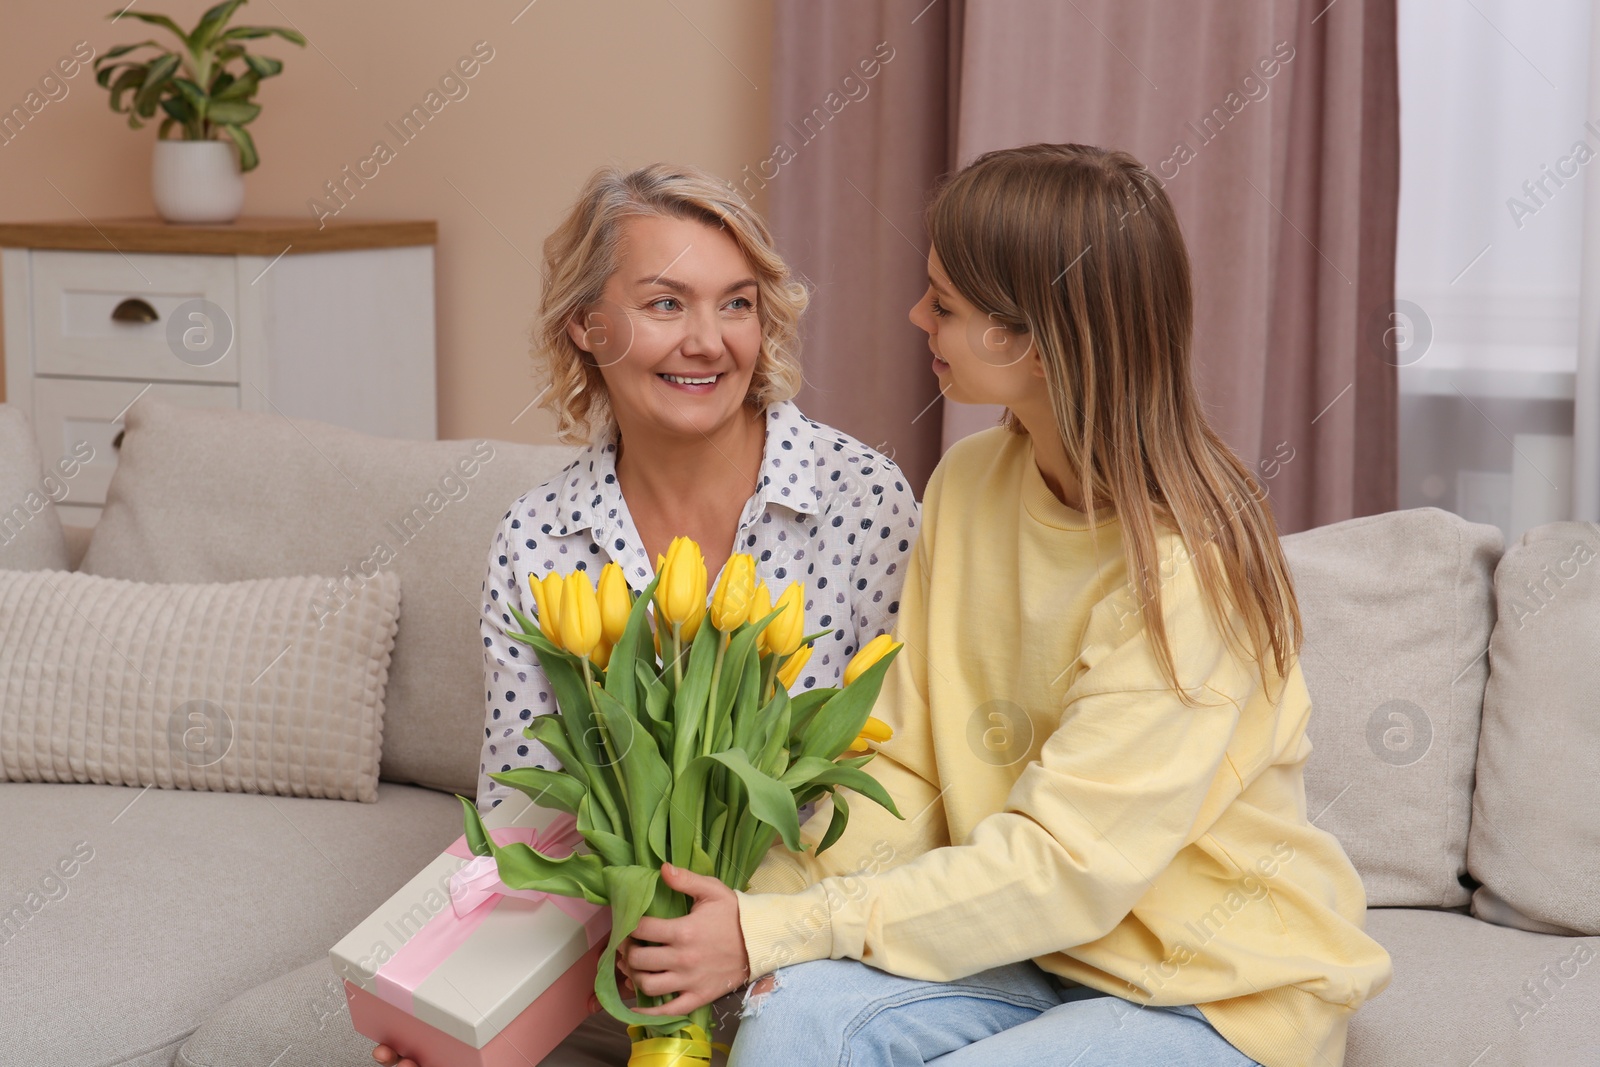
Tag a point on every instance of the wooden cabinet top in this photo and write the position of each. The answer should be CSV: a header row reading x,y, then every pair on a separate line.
x,y
247,235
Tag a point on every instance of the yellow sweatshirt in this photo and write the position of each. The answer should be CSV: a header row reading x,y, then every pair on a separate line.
x,y
1062,805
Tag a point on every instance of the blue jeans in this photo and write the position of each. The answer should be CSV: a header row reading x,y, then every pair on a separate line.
x,y
843,1013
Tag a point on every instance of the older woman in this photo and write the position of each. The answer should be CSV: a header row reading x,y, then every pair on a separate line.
x,y
667,332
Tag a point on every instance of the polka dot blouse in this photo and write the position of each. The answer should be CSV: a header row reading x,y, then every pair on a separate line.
x,y
828,512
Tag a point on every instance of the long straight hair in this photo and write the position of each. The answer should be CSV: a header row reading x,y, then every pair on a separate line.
x,y
1079,247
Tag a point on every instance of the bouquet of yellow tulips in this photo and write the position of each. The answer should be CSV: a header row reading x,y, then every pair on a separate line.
x,y
679,743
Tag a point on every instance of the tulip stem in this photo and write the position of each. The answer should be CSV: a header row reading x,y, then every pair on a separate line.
x,y
711,702
677,656
605,742
769,677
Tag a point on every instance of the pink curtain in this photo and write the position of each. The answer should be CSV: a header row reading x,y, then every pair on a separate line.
x,y
1275,127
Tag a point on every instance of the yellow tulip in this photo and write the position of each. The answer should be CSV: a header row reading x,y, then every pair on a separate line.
x,y
615,602
875,730
730,608
871,653
601,654
760,608
579,618
547,600
682,589
790,671
784,632
691,625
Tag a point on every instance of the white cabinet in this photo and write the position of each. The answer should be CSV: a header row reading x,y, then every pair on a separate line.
x,y
272,315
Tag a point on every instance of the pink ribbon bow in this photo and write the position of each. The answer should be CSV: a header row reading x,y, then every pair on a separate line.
x,y
474,891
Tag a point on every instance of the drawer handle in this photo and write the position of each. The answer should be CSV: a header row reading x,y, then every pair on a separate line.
x,y
134,310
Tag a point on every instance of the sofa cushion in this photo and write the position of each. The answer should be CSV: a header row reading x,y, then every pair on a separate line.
x,y
215,495
134,914
1397,610
1535,842
1468,993
30,530
231,686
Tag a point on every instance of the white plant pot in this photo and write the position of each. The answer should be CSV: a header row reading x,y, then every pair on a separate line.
x,y
196,181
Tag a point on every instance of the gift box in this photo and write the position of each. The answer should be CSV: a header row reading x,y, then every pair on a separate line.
x,y
456,969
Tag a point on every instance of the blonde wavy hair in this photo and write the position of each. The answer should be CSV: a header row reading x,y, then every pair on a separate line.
x,y
582,253
1079,247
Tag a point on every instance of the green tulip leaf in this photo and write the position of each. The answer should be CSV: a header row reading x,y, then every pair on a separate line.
x,y
769,800
550,789
620,678
689,703
477,837
839,721
836,825
631,890
611,847
646,773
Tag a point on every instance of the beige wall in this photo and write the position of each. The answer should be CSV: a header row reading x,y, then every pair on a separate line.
x,y
572,84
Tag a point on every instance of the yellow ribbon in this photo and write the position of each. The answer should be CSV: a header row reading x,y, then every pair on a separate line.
x,y
691,1051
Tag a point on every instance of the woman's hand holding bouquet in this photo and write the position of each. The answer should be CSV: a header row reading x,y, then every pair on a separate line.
x,y
680,745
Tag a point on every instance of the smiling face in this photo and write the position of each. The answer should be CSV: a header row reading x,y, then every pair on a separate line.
x,y
675,334
977,360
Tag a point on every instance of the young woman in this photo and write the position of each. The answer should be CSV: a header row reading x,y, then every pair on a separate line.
x,y
1099,718
667,333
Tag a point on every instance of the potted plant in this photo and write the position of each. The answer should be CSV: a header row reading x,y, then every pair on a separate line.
x,y
196,178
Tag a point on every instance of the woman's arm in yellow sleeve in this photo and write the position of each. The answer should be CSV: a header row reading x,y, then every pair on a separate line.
x,y
1117,790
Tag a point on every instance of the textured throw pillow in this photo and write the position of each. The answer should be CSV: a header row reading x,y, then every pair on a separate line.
x,y
1397,610
30,530
237,686
215,495
1535,842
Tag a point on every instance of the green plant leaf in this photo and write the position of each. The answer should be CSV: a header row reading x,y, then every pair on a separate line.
x,y
805,706
621,681
688,794
689,704
769,800
477,837
839,721
178,110
615,850
550,789
192,95
656,699
232,112
773,727
549,731
263,66
857,779
577,875
249,33
154,20
737,666
248,159
112,53
156,81
836,825
240,88
648,777
212,21
631,890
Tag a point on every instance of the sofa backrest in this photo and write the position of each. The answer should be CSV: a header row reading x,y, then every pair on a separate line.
x,y
213,495
1398,609
30,530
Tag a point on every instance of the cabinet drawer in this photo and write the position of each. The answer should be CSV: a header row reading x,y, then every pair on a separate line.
x,y
75,296
69,414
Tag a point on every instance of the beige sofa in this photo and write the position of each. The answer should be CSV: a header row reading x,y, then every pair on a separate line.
x,y
196,930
